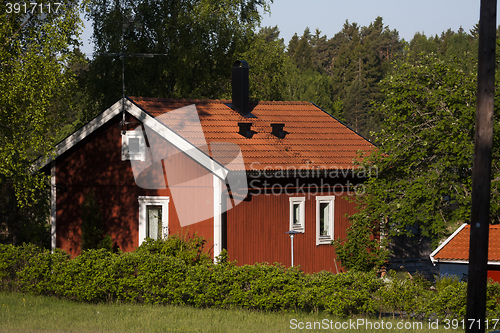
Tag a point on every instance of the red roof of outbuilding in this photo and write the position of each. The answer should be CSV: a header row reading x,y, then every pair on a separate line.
x,y
456,247
314,138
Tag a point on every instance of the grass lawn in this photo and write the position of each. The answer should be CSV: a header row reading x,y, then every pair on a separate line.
x,y
28,313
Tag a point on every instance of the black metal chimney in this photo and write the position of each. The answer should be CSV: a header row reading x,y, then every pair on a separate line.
x,y
240,87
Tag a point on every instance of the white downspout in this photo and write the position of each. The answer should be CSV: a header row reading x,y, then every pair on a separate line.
x,y
217,216
53,210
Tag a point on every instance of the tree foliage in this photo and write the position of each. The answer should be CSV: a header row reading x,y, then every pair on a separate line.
x,y
421,114
271,70
363,249
426,152
34,51
197,40
341,74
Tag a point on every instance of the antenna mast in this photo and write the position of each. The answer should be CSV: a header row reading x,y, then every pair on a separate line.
x,y
122,56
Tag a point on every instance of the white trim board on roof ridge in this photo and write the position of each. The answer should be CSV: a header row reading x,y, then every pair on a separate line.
x,y
80,134
178,141
434,261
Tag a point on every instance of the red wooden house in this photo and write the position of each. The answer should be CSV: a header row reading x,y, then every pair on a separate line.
x,y
240,174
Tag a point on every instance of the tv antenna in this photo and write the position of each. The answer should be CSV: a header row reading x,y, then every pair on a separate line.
x,y
122,54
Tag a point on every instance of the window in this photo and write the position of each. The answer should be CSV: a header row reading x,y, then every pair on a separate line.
x,y
297,214
324,219
153,221
133,146
153,217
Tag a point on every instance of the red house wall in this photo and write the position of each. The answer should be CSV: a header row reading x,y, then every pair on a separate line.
x,y
256,231
494,273
95,163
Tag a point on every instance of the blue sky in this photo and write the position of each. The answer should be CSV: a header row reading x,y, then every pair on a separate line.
x,y
407,17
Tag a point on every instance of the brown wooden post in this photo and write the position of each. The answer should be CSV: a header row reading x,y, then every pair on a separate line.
x,y
481,174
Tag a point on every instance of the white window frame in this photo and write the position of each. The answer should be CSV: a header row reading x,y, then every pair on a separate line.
x,y
325,239
144,202
135,134
301,201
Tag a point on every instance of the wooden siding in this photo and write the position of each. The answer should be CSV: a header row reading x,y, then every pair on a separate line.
x,y
95,163
494,272
256,229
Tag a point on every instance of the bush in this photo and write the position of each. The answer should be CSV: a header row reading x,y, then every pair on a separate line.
x,y
38,276
401,295
185,247
153,275
351,293
89,277
493,300
445,280
14,259
449,302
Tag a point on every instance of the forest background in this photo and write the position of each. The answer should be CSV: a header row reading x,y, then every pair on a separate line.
x,y
414,99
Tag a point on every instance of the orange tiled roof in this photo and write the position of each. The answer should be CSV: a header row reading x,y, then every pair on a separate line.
x,y
457,248
314,138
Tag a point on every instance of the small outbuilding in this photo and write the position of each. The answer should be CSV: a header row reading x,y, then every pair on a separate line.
x,y
452,255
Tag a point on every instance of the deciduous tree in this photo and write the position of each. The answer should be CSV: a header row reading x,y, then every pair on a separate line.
x,y
35,48
425,154
36,44
198,39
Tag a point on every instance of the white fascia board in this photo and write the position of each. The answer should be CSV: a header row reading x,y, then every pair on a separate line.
x,y
182,144
448,261
178,141
79,135
434,261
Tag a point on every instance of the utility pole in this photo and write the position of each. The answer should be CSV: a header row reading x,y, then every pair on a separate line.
x,y
481,174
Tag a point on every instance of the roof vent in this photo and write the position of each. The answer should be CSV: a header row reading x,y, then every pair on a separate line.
x,y
245,129
278,130
240,87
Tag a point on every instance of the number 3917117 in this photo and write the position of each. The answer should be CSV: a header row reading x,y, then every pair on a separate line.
x,y
33,7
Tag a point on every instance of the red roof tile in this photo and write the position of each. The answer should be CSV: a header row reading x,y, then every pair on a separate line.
x,y
314,137
457,248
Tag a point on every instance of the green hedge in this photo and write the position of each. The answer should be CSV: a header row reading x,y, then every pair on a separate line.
x,y
185,276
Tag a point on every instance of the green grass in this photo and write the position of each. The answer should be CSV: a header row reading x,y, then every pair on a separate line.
x,y
28,313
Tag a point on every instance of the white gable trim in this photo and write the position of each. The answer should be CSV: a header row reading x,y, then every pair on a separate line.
x,y
434,261
178,141
79,135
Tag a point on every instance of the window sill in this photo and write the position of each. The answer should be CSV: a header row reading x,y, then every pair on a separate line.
x,y
299,229
324,240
